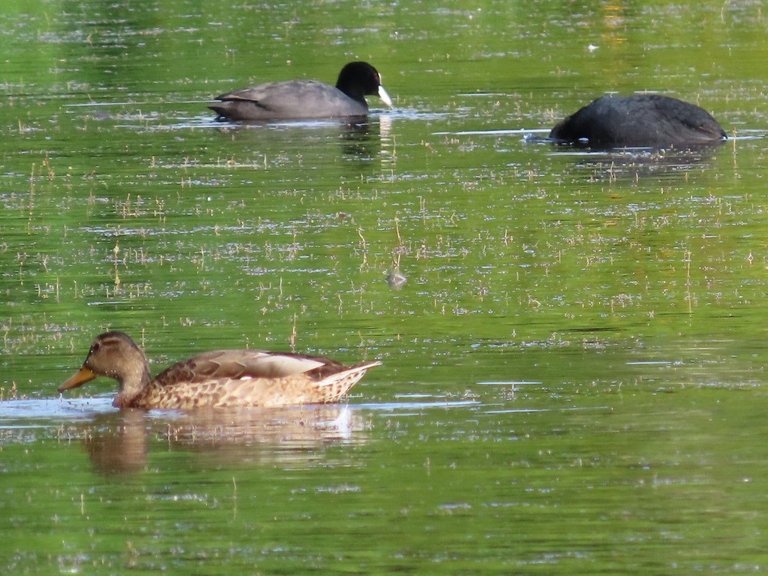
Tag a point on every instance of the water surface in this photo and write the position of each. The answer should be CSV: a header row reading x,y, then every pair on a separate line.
x,y
573,368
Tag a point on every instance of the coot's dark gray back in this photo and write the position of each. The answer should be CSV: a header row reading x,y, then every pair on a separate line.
x,y
642,120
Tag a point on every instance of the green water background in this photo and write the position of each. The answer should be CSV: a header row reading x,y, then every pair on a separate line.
x,y
573,371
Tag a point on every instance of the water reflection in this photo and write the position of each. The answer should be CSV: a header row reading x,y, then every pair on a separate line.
x,y
635,163
121,442
126,442
117,444
359,139
616,164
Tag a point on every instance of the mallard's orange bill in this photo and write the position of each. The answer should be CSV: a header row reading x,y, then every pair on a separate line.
x,y
84,375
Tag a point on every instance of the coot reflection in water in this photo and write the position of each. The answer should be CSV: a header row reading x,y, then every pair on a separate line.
x,y
360,142
640,120
302,99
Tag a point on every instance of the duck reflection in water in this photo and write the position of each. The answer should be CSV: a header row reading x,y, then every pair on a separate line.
x,y
121,442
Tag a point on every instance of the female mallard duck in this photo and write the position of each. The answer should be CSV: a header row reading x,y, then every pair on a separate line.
x,y
221,379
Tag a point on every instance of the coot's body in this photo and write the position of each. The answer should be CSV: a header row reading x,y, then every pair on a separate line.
x,y
297,99
641,120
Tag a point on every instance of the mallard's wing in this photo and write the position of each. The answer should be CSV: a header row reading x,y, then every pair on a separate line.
x,y
251,378
246,364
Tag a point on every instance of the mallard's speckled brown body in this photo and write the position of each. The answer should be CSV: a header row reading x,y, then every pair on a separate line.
x,y
223,378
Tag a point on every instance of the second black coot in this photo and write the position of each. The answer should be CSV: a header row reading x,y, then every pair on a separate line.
x,y
297,99
640,120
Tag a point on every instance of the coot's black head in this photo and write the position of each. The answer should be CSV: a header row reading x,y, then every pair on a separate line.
x,y
360,79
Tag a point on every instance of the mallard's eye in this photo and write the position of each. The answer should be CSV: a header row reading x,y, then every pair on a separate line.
x,y
95,347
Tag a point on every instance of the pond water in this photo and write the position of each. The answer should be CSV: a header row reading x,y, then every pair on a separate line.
x,y
573,370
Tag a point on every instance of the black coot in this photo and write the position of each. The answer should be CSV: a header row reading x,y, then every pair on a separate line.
x,y
305,98
641,120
